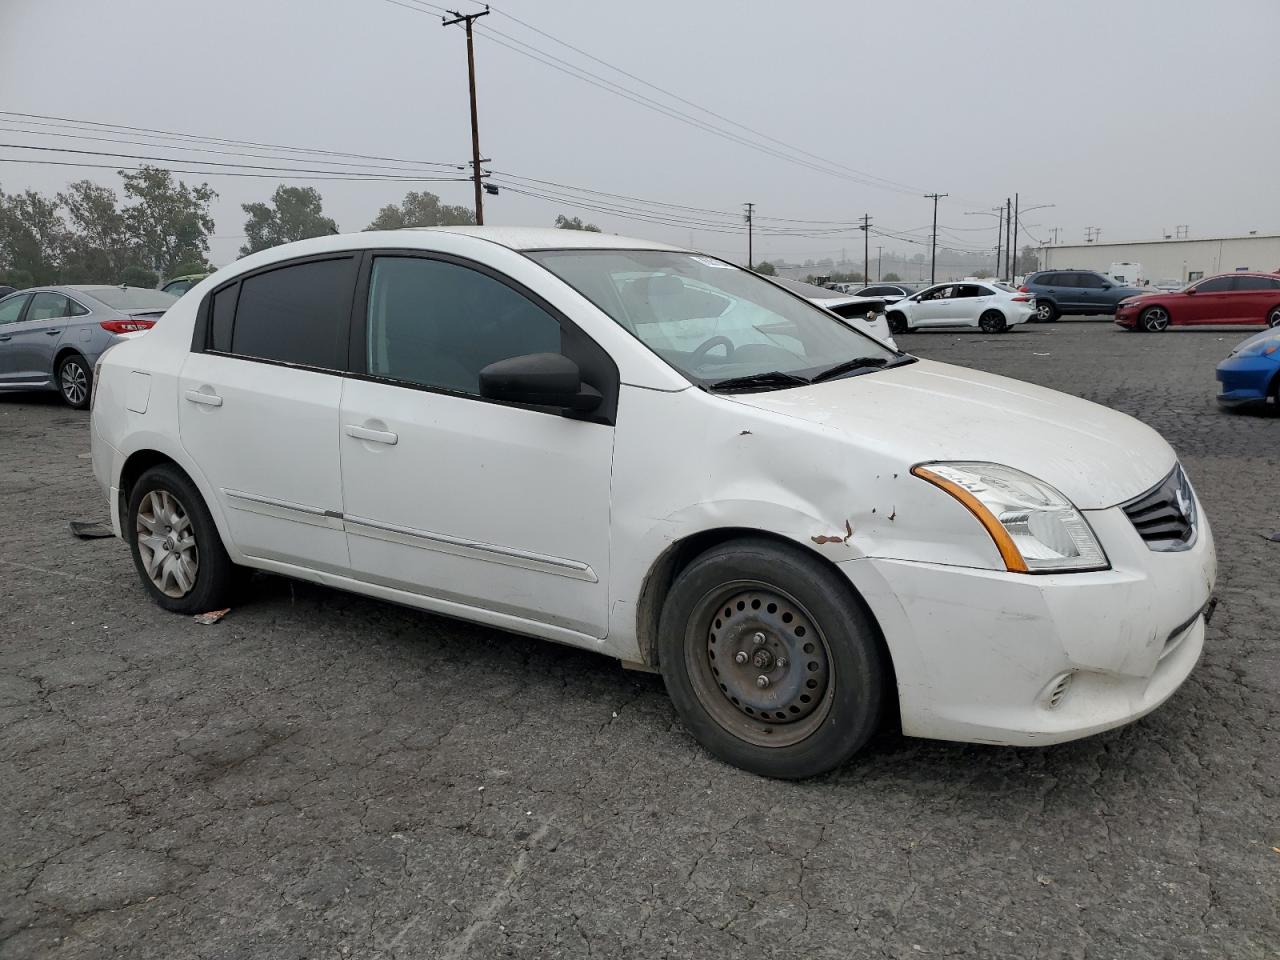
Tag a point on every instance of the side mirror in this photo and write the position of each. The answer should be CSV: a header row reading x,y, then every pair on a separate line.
x,y
1106,286
1189,290
541,380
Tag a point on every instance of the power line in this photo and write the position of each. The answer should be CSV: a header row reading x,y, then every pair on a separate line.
x,y
64,122
235,173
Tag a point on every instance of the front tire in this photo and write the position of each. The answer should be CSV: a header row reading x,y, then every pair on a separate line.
x,y
75,381
992,322
1154,320
770,660
175,545
897,323
1046,312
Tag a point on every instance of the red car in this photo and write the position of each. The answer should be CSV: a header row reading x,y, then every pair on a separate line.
x,y
1249,298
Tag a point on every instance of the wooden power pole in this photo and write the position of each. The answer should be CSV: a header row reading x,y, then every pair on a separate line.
x,y
933,245
469,19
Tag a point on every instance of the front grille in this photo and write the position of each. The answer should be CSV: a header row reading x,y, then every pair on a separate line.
x,y
1165,517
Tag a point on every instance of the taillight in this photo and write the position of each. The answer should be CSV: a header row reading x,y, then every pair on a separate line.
x,y
126,326
1021,299
1024,289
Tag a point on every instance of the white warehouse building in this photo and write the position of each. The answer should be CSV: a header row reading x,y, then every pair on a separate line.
x,y
1184,260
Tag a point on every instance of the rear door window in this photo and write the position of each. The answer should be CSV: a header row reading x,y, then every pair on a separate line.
x,y
1255,283
296,314
47,306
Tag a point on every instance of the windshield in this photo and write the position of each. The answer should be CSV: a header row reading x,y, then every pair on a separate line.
x,y
713,321
132,298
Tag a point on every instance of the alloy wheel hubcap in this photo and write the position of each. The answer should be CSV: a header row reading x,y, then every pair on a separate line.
x,y
1157,320
75,383
1042,313
167,544
1274,319
763,668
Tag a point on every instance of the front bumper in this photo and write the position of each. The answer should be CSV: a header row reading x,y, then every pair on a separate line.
x,y
1246,379
995,657
1127,316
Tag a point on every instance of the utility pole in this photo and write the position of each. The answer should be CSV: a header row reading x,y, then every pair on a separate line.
x,y
999,236
879,254
1008,234
1091,234
933,246
1055,235
750,210
469,19
1013,245
866,247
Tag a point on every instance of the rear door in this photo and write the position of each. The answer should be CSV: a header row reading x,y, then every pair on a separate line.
x,y
11,310
1253,297
258,402
36,335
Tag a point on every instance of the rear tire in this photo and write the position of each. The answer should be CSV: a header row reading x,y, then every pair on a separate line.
x,y
75,381
750,610
176,548
992,322
1046,312
1154,320
1273,318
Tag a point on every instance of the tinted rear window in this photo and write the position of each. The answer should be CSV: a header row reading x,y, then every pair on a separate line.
x,y
132,298
296,314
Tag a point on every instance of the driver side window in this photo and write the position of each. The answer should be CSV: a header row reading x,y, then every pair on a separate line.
x,y
437,324
1215,285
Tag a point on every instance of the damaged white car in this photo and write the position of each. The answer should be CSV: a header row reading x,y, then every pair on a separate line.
x,y
651,453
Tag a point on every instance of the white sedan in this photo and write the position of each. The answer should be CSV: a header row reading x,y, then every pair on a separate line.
x,y
988,306
633,449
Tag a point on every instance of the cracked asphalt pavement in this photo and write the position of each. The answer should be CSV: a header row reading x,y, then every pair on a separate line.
x,y
321,775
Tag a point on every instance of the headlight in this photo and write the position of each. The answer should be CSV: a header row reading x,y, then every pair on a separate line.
x,y
1035,528
1266,347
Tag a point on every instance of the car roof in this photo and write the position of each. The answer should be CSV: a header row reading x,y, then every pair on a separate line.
x,y
551,238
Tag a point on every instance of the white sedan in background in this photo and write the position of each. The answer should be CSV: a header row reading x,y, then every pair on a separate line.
x,y
865,313
988,306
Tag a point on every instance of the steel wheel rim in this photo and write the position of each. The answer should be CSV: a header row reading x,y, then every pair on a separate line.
x,y
794,656
166,544
1156,319
75,382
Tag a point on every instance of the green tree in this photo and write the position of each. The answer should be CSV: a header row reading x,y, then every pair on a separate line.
x,y
135,275
766,269
295,213
168,221
33,238
575,223
189,267
98,246
421,210
892,277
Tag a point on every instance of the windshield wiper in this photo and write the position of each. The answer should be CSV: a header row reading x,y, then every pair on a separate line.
x,y
759,381
857,363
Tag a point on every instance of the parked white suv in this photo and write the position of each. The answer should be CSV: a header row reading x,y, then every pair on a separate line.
x,y
625,447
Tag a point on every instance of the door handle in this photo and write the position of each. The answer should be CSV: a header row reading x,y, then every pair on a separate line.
x,y
208,399
52,333
377,436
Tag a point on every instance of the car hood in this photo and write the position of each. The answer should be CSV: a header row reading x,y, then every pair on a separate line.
x,y
1148,293
927,411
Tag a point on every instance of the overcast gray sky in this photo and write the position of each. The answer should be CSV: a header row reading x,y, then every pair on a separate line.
x,y
1130,115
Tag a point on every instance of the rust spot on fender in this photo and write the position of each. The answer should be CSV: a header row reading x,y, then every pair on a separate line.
x,y
835,538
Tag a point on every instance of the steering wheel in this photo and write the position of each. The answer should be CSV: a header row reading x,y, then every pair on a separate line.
x,y
707,346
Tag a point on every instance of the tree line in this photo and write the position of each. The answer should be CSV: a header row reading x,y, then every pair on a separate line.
x,y
160,228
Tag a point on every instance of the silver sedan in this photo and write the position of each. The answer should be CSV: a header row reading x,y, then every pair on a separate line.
x,y
51,337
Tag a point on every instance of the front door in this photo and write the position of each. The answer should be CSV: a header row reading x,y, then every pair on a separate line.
x,y
459,498
36,336
258,409
934,307
10,313
1211,302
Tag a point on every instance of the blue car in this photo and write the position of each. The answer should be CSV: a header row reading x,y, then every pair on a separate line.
x,y
1251,374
